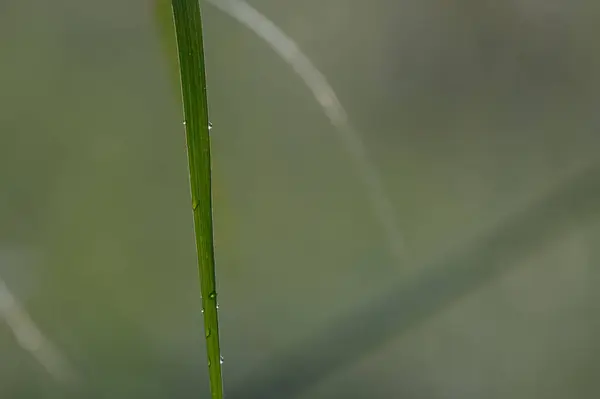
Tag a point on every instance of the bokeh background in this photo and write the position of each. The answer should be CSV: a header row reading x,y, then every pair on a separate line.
x,y
475,113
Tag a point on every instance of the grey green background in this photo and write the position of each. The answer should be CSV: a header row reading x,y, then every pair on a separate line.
x,y
468,108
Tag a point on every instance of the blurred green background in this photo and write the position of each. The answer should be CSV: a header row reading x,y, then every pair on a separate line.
x,y
468,108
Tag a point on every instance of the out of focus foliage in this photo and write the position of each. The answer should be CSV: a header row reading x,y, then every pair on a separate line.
x,y
468,108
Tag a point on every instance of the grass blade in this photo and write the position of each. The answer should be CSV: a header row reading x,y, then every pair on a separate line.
x,y
188,31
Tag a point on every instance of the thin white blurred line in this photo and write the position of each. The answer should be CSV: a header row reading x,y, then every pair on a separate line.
x,y
326,97
31,339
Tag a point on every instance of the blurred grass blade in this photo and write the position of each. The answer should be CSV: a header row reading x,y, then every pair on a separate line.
x,y
31,338
188,32
381,204
164,18
575,201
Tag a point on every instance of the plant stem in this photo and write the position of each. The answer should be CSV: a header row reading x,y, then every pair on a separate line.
x,y
188,29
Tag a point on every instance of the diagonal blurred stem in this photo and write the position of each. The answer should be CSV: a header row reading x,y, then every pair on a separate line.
x,y
289,51
477,263
31,338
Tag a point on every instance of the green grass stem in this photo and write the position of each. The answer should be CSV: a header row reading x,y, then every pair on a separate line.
x,y
188,31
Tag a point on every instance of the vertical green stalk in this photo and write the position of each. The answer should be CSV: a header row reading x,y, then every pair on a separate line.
x,y
188,30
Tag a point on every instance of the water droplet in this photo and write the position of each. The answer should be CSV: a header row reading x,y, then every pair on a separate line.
x,y
184,123
202,310
208,332
212,295
221,360
209,126
217,306
209,364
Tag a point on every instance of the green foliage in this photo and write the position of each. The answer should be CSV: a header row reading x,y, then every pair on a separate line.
x,y
188,32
